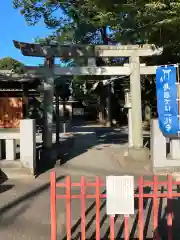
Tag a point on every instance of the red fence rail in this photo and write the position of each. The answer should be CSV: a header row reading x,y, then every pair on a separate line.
x,y
83,184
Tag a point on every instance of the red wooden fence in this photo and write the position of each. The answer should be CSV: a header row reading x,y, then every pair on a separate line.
x,y
83,184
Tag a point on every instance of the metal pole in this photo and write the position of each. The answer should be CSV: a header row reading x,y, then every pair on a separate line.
x,y
175,142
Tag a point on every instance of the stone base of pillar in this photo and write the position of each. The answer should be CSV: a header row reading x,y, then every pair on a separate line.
x,y
141,154
160,161
108,124
48,158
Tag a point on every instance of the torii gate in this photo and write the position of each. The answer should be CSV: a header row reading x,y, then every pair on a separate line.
x,y
50,71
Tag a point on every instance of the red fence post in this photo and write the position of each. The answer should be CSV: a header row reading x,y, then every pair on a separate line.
x,y
169,207
155,208
68,207
97,208
126,228
53,205
112,235
141,208
83,209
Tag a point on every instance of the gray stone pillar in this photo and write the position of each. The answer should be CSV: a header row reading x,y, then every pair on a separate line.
x,y
135,87
28,144
57,118
48,104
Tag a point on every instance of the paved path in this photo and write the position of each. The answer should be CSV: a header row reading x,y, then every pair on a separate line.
x,y
24,205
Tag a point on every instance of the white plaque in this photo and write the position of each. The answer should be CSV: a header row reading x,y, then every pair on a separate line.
x,y
120,195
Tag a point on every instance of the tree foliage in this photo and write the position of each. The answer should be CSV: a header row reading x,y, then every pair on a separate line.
x,y
130,22
9,63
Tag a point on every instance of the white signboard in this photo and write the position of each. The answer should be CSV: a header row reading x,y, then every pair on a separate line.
x,y
120,195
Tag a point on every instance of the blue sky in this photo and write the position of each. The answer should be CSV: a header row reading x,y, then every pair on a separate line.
x,y
14,27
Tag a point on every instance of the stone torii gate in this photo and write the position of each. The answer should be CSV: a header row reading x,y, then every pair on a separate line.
x,y
50,71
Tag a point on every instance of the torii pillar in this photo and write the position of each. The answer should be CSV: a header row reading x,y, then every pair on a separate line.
x,y
48,103
135,88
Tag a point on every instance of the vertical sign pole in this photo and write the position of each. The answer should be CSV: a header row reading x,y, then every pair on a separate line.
x,y
178,96
175,143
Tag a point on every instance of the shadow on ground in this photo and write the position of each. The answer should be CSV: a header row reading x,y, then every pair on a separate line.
x,y
170,231
22,203
84,138
119,222
89,137
3,179
5,187
163,231
148,230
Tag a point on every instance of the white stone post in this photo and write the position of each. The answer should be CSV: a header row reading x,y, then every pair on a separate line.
x,y
158,145
0,149
135,87
10,149
64,127
28,144
128,106
130,137
175,149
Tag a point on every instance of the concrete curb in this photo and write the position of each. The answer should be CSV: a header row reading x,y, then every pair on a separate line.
x,y
17,173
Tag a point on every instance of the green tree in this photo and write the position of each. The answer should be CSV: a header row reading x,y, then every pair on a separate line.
x,y
84,21
132,21
9,63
